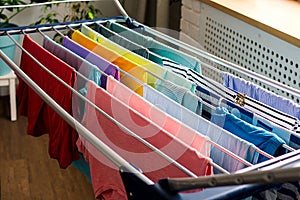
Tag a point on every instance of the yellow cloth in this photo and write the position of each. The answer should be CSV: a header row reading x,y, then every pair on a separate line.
x,y
147,64
111,56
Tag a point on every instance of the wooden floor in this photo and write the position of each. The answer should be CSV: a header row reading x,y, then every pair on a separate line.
x,y
27,172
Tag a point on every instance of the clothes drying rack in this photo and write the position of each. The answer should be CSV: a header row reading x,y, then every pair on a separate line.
x,y
241,184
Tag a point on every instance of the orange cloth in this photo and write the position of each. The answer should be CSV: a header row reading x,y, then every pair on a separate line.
x,y
145,63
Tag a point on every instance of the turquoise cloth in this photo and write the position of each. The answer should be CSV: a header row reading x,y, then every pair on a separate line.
x,y
179,80
82,166
180,94
157,47
128,44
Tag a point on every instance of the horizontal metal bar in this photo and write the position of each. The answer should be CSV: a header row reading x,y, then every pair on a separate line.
x,y
282,175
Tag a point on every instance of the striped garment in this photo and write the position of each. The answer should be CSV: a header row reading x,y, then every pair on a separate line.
x,y
267,112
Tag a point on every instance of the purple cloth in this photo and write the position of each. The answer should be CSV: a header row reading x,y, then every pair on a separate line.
x,y
260,94
101,63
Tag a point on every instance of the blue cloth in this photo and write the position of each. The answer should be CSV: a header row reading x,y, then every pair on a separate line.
x,y
157,47
220,136
290,137
264,140
256,92
294,141
239,111
258,121
82,166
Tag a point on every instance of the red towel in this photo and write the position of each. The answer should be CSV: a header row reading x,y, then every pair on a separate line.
x,y
41,118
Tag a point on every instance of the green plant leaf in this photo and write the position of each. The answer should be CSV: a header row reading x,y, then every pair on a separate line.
x,y
90,15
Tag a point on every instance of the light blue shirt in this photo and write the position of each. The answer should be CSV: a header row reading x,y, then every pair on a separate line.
x,y
180,94
179,80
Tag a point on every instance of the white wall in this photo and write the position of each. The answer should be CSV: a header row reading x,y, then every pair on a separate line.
x,y
190,22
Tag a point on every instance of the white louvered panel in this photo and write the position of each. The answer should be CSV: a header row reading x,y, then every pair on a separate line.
x,y
249,47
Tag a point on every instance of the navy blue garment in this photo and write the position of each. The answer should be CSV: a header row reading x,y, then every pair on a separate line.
x,y
264,140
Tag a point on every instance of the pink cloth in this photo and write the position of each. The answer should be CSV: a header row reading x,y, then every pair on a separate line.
x,y
106,180
189,136
41,118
